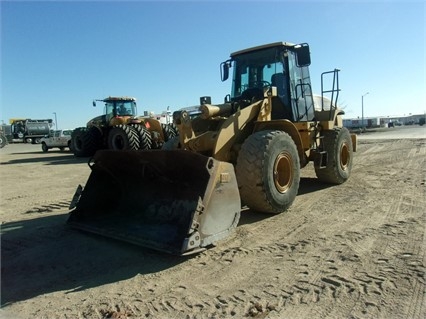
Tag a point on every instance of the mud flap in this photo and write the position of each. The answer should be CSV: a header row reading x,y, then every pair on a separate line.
x,y
170,200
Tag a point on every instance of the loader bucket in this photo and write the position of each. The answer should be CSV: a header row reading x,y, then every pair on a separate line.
x,y
170,200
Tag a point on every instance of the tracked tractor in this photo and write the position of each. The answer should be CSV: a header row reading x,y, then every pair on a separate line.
x,y
119,128
247,151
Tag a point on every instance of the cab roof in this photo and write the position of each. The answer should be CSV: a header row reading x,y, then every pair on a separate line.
x,y
264,46
119,98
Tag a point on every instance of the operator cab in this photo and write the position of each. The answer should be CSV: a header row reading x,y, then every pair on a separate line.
x,y
120,107
281,65
115,109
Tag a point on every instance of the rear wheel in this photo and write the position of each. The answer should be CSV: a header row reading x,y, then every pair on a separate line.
x,y
44,147
123,137
3,140
145,141
85,141
268,171
170,131
338,145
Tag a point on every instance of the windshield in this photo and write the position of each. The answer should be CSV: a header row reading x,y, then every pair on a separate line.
x,y
120,108
256,70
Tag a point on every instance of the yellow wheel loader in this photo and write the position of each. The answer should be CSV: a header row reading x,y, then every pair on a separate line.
x,y
247,151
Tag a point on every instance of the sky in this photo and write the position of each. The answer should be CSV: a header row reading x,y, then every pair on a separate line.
x,y
58,56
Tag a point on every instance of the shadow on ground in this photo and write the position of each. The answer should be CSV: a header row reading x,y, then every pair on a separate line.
x,y
59,158
307,185
43,255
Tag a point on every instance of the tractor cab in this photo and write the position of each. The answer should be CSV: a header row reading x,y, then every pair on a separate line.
x,y
281,65
117,110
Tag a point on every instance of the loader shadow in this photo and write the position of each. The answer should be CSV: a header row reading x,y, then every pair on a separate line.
x,y
249,216
61,158
43,153
312,184
43,255
307,185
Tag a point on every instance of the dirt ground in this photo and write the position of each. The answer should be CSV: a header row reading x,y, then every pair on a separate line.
x,y
356,250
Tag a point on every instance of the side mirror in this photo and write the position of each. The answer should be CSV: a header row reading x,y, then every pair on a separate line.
x,y
227,98
303,56
224,70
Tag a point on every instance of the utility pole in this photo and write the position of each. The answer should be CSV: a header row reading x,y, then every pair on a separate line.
x,y
362,111
56,122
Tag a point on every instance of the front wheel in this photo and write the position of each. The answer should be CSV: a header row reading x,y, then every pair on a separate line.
x,y
268,171
44,147
3,140
338,145
123,137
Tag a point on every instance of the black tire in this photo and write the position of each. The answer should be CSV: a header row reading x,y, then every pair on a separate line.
x,y
85,141
123,137
338,145
268,171
145,140
77,142
44,147
3,140
169,130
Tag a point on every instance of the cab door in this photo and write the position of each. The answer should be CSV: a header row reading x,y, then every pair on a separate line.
x,y
300,90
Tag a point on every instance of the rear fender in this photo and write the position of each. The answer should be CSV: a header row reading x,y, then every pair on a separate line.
x,y
154,125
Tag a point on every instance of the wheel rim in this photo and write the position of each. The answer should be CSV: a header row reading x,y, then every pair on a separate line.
x,y
344,156
283,172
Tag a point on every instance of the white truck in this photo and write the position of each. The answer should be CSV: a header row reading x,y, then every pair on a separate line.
x,y
60,139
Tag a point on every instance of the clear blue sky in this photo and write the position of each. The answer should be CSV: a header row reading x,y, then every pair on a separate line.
x,y
59,56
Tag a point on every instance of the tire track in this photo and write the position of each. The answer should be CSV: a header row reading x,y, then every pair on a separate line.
x,y
48,208
347,251
341,276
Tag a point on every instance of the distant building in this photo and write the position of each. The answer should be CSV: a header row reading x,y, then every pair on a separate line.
x,y
382,121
